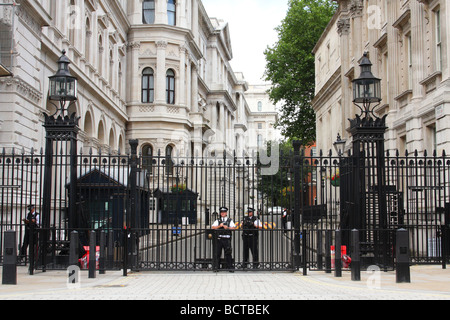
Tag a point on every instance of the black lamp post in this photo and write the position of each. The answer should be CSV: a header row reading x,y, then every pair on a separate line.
x,y
367,88
367,132
60,129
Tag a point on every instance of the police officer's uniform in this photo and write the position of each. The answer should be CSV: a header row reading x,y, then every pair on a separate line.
x,y
32,220
250,227
224,238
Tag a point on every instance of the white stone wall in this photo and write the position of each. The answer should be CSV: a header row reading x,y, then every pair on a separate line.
x,y
109,47
401,39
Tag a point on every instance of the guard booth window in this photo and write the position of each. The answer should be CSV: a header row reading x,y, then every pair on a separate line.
x,y
100,215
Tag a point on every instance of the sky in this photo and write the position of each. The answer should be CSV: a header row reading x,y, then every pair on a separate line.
x,y
252,26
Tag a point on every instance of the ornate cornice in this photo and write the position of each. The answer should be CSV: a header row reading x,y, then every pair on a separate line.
x,y
343,26
17,85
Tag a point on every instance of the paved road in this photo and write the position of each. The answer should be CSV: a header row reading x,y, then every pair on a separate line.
x,y
427,283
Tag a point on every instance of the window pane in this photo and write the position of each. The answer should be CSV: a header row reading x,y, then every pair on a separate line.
x,y
149,4
171,12
152,96
144,82
144,96
152,82
148,12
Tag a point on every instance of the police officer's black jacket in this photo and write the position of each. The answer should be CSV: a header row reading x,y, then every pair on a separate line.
x,y
248,226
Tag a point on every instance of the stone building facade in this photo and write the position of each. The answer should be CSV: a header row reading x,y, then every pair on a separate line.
x,y
408,42
154,70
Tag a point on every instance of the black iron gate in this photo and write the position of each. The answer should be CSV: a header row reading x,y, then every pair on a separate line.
x,y
158,213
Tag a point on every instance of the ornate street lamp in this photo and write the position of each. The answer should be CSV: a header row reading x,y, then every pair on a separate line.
x,y
60,129
339,145
63,86
368,152
367,88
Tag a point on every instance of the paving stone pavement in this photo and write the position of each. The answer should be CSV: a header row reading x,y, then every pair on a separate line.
x,y
427,283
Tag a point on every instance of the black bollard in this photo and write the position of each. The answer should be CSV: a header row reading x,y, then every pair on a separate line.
x,y
402,253
92,256
74,248
356,260
110,250
337,258
9,275
102,259
327,251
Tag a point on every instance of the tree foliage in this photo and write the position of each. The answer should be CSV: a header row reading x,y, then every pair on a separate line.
x,y
290,66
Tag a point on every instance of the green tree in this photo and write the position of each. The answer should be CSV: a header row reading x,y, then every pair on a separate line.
x,y
290,66
277,189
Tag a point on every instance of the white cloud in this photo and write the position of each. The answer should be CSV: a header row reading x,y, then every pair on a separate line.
x,y
252,24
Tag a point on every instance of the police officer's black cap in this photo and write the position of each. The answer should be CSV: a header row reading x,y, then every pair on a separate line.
x,y
251,210
31,206
222,209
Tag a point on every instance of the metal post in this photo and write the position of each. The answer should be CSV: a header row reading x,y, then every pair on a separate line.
x,y
355,255
125,251
337,258
9,275
133,251
327,251
319,250
92,256
297,204
305,262
110,249
132,184
32,251
102,260
402,253
446,236
444,246
73,179
46,197
74,248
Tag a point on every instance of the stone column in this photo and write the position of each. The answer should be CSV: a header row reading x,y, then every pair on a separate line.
x,y
418,50
161,12
160,86
195,21
133,91
347,110
181,92
194,89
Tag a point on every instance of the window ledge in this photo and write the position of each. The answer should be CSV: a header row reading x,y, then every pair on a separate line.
x,y
431,82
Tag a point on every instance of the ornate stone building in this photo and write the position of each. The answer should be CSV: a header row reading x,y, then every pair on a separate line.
x,y
408,42
153,70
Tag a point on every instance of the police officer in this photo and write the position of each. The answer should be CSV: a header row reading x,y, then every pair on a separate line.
x,y
284,219
250,228
224,225
32,220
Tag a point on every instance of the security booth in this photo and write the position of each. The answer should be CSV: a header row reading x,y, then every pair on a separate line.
x,y
176,205
102,197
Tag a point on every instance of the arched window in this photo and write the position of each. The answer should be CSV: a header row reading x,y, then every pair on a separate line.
x,y
168,160
148,85
100,54
170,86
260,141
87,40
148,12
171,12
259,106
147,158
